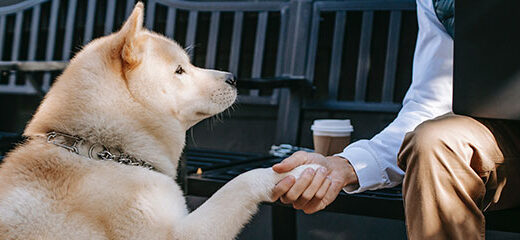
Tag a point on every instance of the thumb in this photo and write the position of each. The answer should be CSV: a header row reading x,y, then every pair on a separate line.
x,y
290,163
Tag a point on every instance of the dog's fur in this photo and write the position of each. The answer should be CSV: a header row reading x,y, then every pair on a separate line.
x,y
123,91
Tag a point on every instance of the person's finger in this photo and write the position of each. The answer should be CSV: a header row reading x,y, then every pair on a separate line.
x,y
313,206
332,192
309,192
282,187
323,189
325,195
284,199
288,164
301,184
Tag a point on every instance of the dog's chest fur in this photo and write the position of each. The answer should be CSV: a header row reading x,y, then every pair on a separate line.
x,y
48,191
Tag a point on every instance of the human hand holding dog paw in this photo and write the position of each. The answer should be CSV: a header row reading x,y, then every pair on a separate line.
x,y
314,189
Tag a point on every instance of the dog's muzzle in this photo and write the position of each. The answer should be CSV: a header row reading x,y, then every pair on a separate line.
x,y
230,79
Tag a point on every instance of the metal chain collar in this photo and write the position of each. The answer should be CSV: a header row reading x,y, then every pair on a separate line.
x,y
73,143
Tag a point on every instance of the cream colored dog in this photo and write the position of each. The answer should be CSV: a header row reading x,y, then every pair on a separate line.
x,y
134,91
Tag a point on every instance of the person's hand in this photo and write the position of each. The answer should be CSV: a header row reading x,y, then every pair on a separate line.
x,y
313,190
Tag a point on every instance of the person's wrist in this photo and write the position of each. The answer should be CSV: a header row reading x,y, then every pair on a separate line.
x,y
351,178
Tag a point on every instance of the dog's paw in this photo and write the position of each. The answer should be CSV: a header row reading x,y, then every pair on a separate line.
x,y
297,172
261,181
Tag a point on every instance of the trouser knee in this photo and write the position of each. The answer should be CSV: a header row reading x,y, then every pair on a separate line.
x,y
428,138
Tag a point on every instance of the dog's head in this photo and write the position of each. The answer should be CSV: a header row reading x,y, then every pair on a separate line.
x,y
159,75
134,90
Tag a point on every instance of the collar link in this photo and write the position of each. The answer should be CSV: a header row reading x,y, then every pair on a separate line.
x,y
80,146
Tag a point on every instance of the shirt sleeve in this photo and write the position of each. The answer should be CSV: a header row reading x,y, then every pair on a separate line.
x,y
429,96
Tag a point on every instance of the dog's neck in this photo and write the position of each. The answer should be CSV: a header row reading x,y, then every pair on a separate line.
x,y
103,111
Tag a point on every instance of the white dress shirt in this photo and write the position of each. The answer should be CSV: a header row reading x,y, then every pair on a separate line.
x,y
429,96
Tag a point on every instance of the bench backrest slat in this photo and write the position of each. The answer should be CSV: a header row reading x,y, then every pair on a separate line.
x,y
129,7
313,43
279,55
109,17
258,55
51,38
16,45
337,50
150,10
17,34
89,21
67,42
364,56
192,31
259,44
33,41
211,52
170,22
281,41
2,35
391,56
236,40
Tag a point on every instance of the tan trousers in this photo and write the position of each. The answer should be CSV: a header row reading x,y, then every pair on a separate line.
x,y
456,167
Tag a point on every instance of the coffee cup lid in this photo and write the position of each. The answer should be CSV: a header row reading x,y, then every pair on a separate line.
x,y
332,125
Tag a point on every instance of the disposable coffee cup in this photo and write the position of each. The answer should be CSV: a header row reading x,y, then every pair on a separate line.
x,y
331,136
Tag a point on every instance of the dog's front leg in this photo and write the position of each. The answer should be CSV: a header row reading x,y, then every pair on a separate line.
x,y
229,209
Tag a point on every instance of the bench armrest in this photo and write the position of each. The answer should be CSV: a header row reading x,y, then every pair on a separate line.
x,y
33,66
272,83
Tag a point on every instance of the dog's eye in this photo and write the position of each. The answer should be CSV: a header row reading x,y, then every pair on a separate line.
x,y
179,70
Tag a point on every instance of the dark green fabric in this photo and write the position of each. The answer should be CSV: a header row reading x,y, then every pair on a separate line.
x,y
445,11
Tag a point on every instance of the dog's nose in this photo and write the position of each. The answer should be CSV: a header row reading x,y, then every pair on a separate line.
x,y
230,79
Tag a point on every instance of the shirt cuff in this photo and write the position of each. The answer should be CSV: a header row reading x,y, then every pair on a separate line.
x,y
366,167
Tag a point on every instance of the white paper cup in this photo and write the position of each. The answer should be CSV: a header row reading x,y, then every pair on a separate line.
x,y
331,136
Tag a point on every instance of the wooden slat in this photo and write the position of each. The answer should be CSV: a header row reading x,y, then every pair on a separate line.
x,y
211,52
258,56
364,56
2,35
256,100
281,41
109,17
332,105
89,21
170,22
279,55
368,5
313,44
67,42
337,50
129,7
236,40
192,30
33,43
150,13
32,66
261,28
17,35
51,38
16,44
392,50
33,39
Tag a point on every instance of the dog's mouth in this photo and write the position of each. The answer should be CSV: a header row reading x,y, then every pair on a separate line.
x,y
203,114
224,97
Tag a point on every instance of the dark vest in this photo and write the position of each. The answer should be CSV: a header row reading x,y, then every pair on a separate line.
x,y
445,11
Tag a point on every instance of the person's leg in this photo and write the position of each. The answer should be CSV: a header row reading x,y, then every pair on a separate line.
x,y
455,168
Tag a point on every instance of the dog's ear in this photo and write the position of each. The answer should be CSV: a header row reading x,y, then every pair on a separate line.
x,y
127,35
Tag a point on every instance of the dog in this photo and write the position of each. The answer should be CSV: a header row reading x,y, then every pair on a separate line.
x,y
102,149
